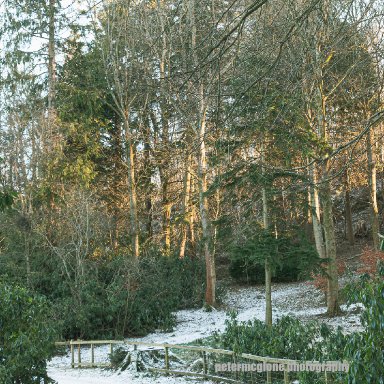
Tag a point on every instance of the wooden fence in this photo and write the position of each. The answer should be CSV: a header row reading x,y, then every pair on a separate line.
x,y
206,353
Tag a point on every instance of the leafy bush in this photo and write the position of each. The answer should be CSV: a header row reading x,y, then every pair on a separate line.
x,y
7,199
27,336
122,296
292,257
366,349
287,338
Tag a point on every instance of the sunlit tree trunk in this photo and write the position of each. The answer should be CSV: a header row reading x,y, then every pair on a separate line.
x,y
164,162
315,210
186,205
372,188
130,158
348,211
325,183
210,294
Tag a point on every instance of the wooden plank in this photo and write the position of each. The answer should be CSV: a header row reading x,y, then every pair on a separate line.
x,y
96,342
267,359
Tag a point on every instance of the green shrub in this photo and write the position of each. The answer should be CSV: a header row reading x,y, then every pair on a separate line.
x,y
120,296
27,336
287,338
366,349
292,257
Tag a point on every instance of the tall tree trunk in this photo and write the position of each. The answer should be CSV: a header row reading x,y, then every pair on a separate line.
x,y
325,190
164,112
315,210
191,219
51,71
167,207
372,189
348,211
210,294
185,209
147,181
117,158
333,308
132,187
268,270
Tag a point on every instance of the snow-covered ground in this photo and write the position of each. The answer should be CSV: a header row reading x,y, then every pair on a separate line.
x,y
300,300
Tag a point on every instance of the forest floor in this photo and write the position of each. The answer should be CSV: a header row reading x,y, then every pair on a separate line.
x,y
297,299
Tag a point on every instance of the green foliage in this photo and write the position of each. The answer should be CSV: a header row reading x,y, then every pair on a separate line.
x,y
27,335
121,296
366,349
287,338
292,257
7,198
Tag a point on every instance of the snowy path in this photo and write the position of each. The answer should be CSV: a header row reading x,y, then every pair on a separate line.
x,y
300,300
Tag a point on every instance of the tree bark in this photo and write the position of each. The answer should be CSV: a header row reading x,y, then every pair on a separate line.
x,y
348,212
51,71
132,188
372,190
325,189
147,182
268,270
164,112
192,214
315,210
333,308
185,209
210,294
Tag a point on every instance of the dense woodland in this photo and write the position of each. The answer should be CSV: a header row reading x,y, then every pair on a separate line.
x,y
148,149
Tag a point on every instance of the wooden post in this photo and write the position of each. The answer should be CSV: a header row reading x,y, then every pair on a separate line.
x,y
286,374
79,355
166,349
92,355
205,365
269,377
72,355
111,348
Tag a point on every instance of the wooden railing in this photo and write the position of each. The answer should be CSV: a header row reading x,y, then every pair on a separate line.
x,y
76,345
